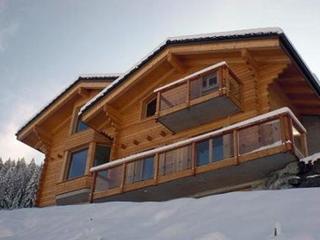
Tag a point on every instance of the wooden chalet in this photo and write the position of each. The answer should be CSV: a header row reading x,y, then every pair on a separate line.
x,y
199,115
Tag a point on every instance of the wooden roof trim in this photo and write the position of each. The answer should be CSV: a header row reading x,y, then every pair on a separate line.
x,y
91,109
58,102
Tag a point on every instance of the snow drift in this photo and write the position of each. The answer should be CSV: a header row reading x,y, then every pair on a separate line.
x,y
289,214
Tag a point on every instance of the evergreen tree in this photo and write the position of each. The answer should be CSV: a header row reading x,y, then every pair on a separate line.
x,y
18,183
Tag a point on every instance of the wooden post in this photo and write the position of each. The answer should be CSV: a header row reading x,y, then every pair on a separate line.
x,y
93,186
284,129
236,146
123,181
156,168
193,158
158,104
188,92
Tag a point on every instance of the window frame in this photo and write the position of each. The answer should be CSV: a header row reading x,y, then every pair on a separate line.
x,y
74,122
144,107
69,155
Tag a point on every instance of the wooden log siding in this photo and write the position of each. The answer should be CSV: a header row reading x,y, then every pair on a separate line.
x,y
187,91
267,134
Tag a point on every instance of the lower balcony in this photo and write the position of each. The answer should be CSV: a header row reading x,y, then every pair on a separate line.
x,y
232,156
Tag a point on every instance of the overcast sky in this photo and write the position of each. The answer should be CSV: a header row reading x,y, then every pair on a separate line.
x,y
45,45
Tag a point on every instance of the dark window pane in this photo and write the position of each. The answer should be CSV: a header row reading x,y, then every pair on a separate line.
x,y
151,108
147,168
217,148
81,126
77,164
102,155
202,153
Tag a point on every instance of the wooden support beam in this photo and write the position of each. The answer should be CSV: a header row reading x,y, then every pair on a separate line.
x,y
250,61
175,62
83,92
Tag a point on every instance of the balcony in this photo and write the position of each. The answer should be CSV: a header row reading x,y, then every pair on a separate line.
x,y
238,154
199,98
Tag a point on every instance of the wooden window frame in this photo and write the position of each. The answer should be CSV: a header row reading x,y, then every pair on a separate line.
x,y
68,161
74,121
144,105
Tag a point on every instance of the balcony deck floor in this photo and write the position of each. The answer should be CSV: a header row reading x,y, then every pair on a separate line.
x,y
199,114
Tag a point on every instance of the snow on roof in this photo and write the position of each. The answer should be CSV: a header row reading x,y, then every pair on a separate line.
x,y
207,69
99,75
199,138
242,32
181,39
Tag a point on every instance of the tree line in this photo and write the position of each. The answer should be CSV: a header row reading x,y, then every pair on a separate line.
x,y
18,183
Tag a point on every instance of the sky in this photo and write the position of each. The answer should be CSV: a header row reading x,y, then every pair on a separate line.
x,y
45,45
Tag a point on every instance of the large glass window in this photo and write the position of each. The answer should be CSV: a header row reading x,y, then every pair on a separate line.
x,y
77,163
203,153
102,155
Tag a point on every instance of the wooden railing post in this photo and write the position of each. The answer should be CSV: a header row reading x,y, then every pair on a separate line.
x,y
236,145
93,186
156,168
193,158
123,181
158,104
188,92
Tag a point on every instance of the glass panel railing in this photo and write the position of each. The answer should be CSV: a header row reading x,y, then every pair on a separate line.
x,y
174,96
260,137
204,85
175,160
214,149
140,170
109,179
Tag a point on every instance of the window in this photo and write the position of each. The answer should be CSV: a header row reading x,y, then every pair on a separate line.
x,y
151,107
209,82
215,149
80,126
77,163
102,155
140,170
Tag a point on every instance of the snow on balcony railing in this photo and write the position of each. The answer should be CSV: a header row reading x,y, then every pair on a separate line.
x,y
236,142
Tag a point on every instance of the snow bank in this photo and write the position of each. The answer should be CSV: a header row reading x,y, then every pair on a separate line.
x,y
292,214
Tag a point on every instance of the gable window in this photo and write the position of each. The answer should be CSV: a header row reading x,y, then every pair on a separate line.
x,y
77,163
79,126
151,107
209,82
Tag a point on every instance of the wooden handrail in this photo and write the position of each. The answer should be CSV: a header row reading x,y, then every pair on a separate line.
x,y
285,116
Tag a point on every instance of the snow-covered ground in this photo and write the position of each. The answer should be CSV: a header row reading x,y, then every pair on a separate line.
x,y
293,214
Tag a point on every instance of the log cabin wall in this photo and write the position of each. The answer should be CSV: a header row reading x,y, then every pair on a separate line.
x,y
137,134
53,181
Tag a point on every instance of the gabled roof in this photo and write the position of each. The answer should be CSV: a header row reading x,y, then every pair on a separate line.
x,y
205,38
81,79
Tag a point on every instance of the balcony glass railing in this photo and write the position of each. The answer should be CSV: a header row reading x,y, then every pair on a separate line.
x,y
262,136
206,84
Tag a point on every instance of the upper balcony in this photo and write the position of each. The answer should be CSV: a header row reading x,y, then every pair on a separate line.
x,y
240,153
194,99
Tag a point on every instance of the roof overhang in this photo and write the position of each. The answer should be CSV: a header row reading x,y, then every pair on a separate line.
x,y
89,109
76,89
